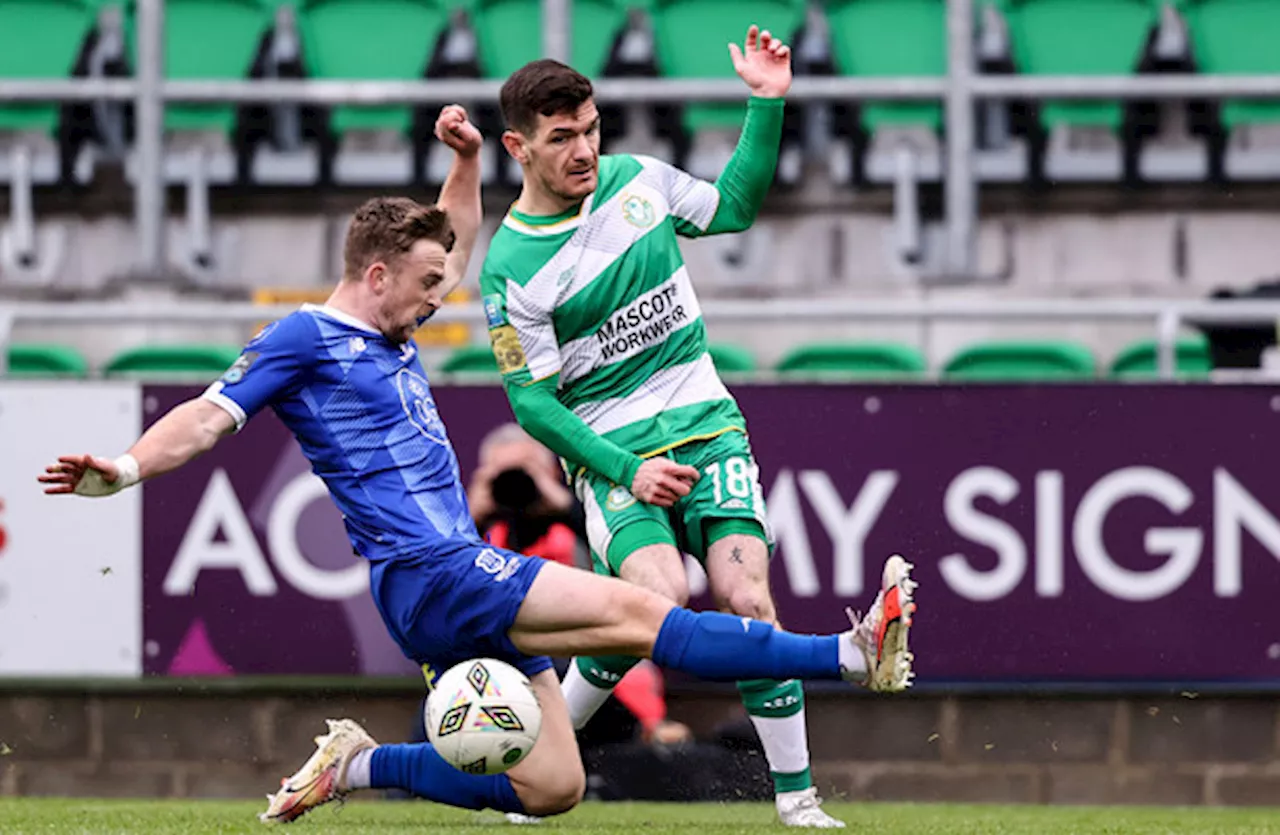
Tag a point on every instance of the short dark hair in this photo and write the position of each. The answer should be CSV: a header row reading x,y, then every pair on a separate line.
x,y
544,87
385,228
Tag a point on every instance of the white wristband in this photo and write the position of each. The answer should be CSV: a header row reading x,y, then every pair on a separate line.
x,y
93,484
130,474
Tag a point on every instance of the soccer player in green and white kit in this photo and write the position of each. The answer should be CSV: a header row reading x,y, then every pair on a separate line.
x,y
598,335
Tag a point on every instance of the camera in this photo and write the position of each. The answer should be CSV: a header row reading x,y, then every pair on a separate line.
x,y
514,491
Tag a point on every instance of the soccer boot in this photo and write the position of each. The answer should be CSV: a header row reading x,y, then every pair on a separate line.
x,y
803,808
881,635
321,778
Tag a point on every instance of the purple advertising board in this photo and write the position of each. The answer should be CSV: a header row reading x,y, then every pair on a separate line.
x,y
1109,533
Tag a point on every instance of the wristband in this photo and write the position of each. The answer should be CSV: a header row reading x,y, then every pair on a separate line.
x,y
93,484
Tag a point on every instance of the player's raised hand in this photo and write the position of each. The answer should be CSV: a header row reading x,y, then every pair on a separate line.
x,y
764,63
663,482
86,475
454,129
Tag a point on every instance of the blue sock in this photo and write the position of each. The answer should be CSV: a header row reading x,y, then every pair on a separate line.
x,y
419,769
720,647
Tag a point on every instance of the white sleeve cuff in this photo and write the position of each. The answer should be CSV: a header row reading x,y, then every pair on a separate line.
x,y
214,395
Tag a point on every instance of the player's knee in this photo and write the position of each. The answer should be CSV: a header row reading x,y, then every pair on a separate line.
x,y
752,602
558,794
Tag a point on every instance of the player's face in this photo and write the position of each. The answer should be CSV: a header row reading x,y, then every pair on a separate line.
x,y
564,153
411,290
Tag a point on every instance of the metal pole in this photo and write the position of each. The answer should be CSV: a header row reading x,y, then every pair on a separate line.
x,y
6,333
962,189
149,197
557,37
1166,339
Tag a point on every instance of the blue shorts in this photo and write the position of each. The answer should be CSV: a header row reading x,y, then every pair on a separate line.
x,y
455,603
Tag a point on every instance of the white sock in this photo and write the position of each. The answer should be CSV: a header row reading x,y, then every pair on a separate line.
x,y
785,741
852,661
359,771
583,697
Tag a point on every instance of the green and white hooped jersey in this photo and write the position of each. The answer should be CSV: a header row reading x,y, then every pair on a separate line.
x,y
601,296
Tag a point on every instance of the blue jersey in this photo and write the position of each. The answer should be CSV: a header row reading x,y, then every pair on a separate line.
x,y
363,413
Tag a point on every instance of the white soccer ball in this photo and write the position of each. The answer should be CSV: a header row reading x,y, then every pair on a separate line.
x,y
483,717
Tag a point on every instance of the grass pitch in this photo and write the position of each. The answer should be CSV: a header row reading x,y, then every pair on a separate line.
x,y
29,816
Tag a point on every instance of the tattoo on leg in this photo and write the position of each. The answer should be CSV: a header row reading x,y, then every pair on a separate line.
x,y
736,555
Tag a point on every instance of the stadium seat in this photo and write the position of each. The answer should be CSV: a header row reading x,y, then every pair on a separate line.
x,y
1234,37
1140,359
204,361
731,359
39,39
210,39
690,38
854,359
861,45
31,359
508,34
1022,361
1079,37
392,40
470,359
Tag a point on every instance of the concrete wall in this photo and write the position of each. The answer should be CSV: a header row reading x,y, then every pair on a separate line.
x,y
1157,750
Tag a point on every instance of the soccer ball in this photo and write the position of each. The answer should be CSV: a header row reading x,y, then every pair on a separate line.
x,y
483,717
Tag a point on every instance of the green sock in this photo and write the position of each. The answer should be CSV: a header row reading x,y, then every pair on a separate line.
x,y
776,709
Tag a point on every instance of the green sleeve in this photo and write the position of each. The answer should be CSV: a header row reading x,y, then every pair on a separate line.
x,y
746,178
550,422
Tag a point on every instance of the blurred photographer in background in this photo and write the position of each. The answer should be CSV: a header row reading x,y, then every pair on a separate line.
x,y
519,500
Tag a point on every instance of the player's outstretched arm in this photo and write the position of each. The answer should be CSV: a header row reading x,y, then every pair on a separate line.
x,y
733,201
460,194
188,430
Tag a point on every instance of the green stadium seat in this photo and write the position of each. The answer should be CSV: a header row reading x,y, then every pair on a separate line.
x,y
31,359
210,39
508,34
470,359
371,39
1140,359
205,361
1079,37
1237,37
39,39
731,359
691,37
872,38
1022,361
854,359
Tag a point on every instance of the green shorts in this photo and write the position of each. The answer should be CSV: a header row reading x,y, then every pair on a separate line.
x,y
618,524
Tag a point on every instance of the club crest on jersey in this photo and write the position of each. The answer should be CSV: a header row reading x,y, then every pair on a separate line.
x,y
637,211
619,498
494,311
415,397
239,368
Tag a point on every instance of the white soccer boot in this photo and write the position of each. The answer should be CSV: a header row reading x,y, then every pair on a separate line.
x,y
803,808
882,634
522,820
321,778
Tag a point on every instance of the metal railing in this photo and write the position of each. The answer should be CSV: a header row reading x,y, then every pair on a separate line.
x,y
958,90
1165,316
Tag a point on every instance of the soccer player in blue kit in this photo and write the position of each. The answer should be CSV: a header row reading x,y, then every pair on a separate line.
x,y
345,377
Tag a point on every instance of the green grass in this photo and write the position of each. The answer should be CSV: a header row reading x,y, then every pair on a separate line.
x,y
28,816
